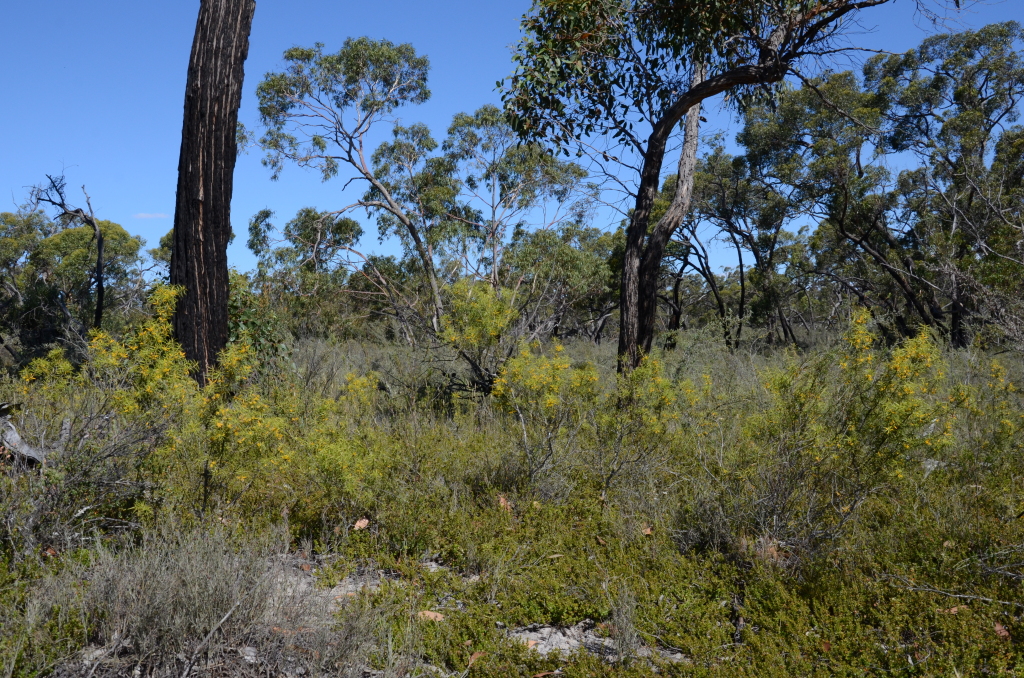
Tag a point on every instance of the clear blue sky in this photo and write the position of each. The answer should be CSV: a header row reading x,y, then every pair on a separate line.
x,y
95,89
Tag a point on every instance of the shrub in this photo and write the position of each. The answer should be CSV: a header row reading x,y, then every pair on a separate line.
x,y
836,429
180,598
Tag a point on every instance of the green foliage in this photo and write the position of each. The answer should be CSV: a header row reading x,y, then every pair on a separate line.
x,y
369,78
502,180
66,258
548,398
849,506
424,185
48,282
251,322
585,67
314,239
588,68
450,204
162,253
478,319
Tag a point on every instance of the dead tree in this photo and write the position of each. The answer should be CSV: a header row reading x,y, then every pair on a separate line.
x,y
54,193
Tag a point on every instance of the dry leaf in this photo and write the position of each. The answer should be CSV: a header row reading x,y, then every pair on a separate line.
x,y
647,530
430,615
361,524
467,643
305,567
530,643
505,504
826,646
600,541
50,552
547,673
1001,631
474,657
556,555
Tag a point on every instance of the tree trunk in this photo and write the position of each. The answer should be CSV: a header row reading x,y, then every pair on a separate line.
x,y
98,234
675,320
743,293
650,262
636,236
643,255
202,213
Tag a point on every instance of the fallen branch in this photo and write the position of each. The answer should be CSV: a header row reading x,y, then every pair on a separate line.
x,y
908,585
13,442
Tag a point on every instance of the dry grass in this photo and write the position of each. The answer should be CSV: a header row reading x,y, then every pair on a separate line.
x,y
194,601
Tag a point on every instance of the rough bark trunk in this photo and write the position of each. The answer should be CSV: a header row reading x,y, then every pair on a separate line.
x,y
202,214
636,235
675,320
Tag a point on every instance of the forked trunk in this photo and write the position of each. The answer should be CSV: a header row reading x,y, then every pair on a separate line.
x,y
644,253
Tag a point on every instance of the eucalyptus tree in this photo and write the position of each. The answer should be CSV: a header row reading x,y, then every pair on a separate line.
x,y
818,152
935,243
311,252
54,193
564,277
62,265
48,281
612,79
506,183
925,243
952,103
318,113
452,204
747,209
206,164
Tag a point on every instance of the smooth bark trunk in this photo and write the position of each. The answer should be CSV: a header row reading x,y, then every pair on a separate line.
x,y
644,253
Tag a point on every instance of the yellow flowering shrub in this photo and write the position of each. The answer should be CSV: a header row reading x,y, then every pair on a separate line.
x,y
832,431
143,369
631,424
560,411
547,398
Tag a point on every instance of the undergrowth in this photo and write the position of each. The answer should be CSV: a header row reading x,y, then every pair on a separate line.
x,y
853,509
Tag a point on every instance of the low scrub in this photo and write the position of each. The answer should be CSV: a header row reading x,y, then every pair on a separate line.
x,y
179,598
849,509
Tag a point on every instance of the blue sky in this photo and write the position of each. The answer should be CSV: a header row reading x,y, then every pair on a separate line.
x,y
95,89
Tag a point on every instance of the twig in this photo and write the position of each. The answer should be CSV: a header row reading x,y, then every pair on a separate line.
x,y
199,648
106,652
909,586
